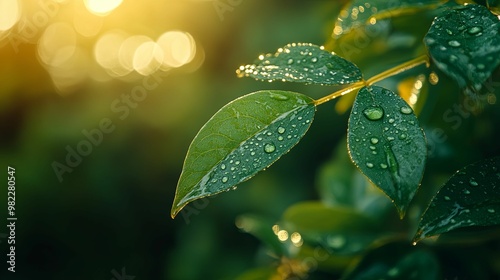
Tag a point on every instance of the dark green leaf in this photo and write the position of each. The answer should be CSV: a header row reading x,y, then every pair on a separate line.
x,y
241,139
361,12
471,197
464,43
302,63
341,184
387,144
338,229
397,261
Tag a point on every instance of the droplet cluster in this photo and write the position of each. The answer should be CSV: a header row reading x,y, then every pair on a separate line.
x,y
302,62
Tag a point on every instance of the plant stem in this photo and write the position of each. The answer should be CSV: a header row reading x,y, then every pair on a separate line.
x,y
341,92
381,76
398,69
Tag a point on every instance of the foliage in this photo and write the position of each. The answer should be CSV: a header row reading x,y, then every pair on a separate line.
x,y
341,234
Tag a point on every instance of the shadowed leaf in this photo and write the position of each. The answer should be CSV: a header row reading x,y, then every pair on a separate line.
x,y
471,197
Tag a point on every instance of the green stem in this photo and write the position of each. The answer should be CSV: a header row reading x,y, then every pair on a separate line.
x,y
384,75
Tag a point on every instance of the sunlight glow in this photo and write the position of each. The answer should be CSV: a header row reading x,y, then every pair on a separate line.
x,y
102,7
147,58
10,12
179,48
106,52
57,44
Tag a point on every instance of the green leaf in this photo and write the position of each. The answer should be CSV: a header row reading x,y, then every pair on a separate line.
x,y
361,12
387,144
341,184
241,139
302,63
339,230
397,261
471,197
464,43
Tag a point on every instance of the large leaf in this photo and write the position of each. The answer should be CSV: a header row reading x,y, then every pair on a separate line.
x,y
471,197
244,137
387,144
302,63
361,12
464,43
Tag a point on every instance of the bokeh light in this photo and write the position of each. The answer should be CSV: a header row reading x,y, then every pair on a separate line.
x,y
179,48
147,58
57,44
10,12
102,7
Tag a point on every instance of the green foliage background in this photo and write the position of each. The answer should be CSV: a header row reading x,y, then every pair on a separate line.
x,y
112,211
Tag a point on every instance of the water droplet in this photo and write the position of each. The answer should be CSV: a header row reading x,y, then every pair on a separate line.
x,y
224,179
290,61
390,138
473,183
466,191
369,164
402,136
280,138
447,198
474,30
277,96
383,165
314,59
374,113
374,140
454,43
281,130
491,210
269,148
372,147
223,166
336,241
406,110
391,120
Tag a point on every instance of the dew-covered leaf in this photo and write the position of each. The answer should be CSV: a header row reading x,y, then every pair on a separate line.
x,y
387,144
302,63
361,12
464,43
471,197
242,138
397,261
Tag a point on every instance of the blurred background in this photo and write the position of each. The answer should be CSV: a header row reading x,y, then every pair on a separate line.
x,y
99,101
153,72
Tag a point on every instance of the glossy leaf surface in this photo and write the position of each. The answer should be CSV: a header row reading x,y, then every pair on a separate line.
x,y
471,197
302,63
464,43
241,139
387,144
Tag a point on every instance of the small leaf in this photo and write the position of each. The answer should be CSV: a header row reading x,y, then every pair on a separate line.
x,y
397,261
302,63
341,230
387,144
464,43
471,197
241,139
361,12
